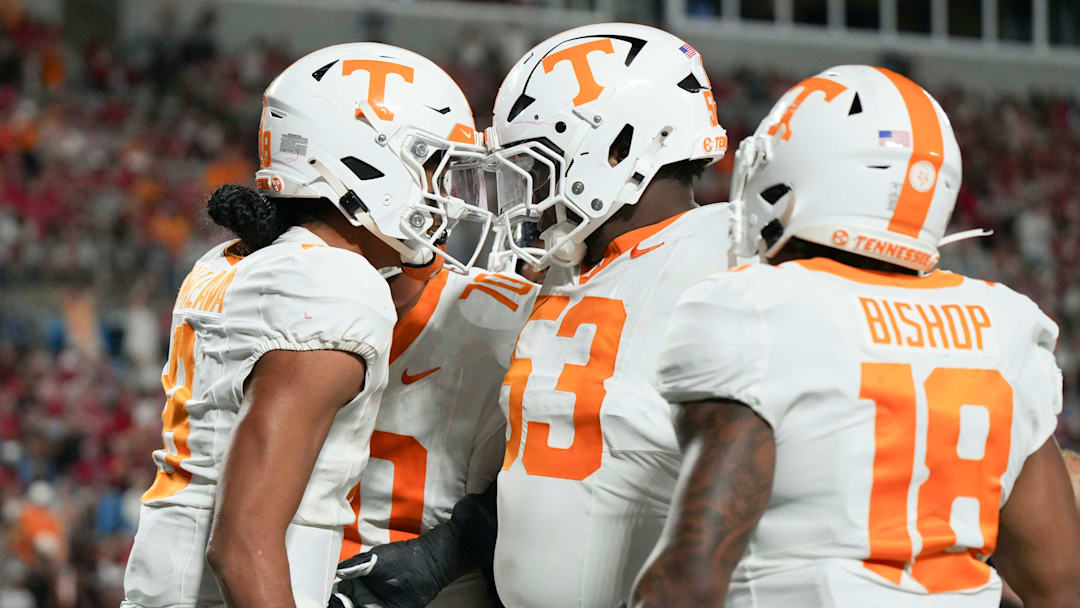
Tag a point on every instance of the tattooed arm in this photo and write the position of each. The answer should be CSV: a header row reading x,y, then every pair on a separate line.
x,y
724,486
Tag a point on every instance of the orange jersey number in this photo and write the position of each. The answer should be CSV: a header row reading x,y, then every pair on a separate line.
x,y
585,382
490,284
409,458
967,451
171,478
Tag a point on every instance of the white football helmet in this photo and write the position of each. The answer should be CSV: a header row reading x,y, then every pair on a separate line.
x,y
563,105
355,124
857,158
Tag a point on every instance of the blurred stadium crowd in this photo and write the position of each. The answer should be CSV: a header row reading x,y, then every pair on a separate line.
x,y
105,162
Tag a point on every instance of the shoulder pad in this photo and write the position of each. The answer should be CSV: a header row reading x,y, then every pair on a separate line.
x,y
496,301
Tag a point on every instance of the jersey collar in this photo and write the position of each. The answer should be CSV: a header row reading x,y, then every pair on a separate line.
x,y
935,280
413,322
623,243
302,236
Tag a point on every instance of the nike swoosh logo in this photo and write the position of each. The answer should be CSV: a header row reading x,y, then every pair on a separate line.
x,y
635,252
407,379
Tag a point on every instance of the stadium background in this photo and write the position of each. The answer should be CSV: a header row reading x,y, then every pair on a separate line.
x,y
117,117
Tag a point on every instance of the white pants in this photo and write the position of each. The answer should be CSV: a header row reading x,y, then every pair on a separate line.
x,y
167,567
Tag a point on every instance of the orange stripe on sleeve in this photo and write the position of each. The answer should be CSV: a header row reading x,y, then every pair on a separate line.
x,y
927,147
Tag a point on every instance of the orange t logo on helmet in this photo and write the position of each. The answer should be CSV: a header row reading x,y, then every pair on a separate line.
x,y
578,56
830,88
379,71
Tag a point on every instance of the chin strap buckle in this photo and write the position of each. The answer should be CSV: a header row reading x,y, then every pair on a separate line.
x,y
347,199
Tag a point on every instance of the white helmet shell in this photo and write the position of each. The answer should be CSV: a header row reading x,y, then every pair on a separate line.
x,y
857,158
355,124
567,100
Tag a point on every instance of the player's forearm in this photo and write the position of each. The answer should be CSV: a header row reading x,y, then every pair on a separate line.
x,y
692,565
1039,532
252,571
671,580
725,485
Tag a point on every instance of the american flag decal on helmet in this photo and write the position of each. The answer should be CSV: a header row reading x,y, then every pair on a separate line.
x,y
688,50
894,138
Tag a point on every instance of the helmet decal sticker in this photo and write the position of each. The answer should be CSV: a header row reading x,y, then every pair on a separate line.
x,y
264,149
524,100
463,134
830,88
927,154
578,57
710,102
379,72
894,138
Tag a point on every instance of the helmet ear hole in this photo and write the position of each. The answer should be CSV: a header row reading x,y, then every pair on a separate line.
x,y
774,193
691,84
620,146
361,169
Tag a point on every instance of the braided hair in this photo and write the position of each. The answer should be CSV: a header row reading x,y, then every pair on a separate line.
x,y
259,220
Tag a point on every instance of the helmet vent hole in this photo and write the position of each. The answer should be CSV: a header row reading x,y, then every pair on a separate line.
x,y
856,106
620,146
362,170
319,73
276,114
560,127
691,84
878,166
772,232
523,101
774,193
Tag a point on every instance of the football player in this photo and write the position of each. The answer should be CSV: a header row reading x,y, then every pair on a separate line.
x,y
282,340
860,429
598,134
439,434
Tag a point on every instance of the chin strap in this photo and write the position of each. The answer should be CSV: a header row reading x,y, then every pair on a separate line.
x,y
964,235
422,270
564,251
634,188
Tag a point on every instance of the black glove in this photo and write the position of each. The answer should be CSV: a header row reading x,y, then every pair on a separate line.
x,y
358,596
410,573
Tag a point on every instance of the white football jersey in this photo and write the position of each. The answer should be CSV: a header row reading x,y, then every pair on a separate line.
x,y
439,433
903,410
295,294
591,460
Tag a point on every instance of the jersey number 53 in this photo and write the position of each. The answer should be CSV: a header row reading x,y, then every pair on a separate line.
x,y
585,382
